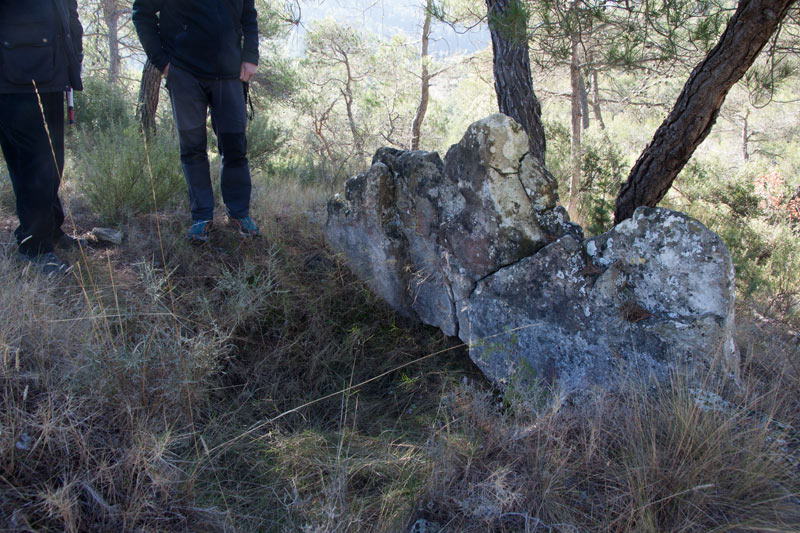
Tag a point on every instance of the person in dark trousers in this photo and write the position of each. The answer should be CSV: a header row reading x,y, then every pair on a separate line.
x,y
207,50
40,59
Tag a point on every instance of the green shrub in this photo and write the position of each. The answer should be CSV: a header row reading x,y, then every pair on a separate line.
x,y
603,168
557,136
115,173
103,106
305,170
763,245
7,201
264,138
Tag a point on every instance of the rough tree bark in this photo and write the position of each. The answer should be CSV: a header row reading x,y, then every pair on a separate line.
x,y
698,105
425,77
512,73
584,98
149,90
111,16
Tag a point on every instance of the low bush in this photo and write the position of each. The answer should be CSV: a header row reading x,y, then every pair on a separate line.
x,y
264,139
122,175
752,211
603,169
102,106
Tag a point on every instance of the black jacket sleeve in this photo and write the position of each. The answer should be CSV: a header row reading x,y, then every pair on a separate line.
x,y
75,29
250,31
145,19
71,33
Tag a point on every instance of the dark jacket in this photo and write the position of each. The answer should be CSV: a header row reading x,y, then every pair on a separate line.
x,y
40,41
208,38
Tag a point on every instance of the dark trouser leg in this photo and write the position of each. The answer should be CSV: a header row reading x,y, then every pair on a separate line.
x,y
53,105
229,118
190,109
194,162
34,172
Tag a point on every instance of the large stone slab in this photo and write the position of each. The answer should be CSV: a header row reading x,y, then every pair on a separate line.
x,y
478,246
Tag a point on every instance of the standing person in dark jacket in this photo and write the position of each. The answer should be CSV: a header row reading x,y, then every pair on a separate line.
x,y
40,59
206,50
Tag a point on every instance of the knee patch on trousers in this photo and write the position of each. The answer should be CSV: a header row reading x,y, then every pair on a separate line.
x,y
233,147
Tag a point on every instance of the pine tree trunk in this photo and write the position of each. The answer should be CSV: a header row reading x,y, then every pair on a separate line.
x,y
111,17
746,136
512,75
575,147
425,77
598,112
584,101
698,105
149,90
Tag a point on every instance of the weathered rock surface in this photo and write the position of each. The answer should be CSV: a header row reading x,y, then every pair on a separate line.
x,y
477,246
655,292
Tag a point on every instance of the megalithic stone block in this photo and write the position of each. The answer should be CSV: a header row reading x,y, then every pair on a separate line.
x,y
478,246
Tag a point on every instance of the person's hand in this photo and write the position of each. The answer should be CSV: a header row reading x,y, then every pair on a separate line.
x,y
166,70
247,72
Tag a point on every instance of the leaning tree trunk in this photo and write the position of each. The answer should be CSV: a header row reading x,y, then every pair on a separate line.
x,y
425,80
347,93
698,105
512,72
149,90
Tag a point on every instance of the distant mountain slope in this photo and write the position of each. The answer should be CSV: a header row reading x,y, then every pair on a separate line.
x,y
387,19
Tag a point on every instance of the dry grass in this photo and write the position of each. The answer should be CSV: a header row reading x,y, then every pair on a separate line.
x,y
81,451
673,458
166,387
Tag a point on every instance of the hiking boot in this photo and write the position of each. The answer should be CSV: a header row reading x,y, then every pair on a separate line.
x,y
48,263
199,230
68,242
245,226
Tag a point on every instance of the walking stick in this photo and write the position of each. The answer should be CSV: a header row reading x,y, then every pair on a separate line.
x,y
70,107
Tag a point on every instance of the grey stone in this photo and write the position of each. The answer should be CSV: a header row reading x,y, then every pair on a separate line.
x,y
478,246
107,235
425,526
653,295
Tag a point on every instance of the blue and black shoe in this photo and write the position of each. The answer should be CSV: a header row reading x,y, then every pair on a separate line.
x,y
246,226
199,230
47,263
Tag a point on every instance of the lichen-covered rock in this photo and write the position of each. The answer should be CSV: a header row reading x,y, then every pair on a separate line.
x,y
652,295
670,269
492,220
422,232
363,224
478,246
